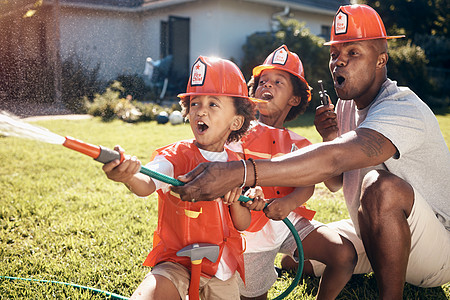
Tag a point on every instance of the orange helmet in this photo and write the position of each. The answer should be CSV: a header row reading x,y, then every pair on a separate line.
x,y
357,22
285,60
216,76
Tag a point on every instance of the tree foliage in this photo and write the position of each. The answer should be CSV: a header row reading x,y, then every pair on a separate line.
x,y
414,16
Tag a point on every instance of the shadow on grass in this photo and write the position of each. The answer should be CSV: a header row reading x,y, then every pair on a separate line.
x,y
364,286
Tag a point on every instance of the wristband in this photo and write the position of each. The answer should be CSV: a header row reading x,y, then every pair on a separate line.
x,y
245,173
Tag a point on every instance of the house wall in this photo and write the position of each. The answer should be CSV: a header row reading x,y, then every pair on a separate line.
x,y
122,41
220,28
109,38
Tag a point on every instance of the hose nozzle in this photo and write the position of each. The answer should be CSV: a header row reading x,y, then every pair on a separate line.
x,y
99,153
323,94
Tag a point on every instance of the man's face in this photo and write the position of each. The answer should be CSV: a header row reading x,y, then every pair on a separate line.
x,y
353,67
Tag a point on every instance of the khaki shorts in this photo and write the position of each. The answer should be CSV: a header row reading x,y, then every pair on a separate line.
x,y
429,260
210,288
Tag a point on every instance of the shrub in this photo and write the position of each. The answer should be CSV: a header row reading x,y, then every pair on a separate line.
x,y
133,85
104,105
146,109
110,105
408,65
78,82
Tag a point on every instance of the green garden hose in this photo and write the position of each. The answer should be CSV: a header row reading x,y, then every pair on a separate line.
x,y
90,289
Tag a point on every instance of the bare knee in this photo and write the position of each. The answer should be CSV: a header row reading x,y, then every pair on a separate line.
x,y
382,191
156,287
346,257
335,251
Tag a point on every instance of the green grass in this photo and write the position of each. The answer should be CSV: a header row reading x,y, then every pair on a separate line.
x,y
62,220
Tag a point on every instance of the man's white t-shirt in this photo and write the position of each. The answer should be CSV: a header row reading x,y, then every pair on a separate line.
x,y
422,159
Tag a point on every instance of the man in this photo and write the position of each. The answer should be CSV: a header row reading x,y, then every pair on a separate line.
x,y
390,158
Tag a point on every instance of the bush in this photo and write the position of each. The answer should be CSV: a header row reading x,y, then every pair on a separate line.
x,y
78,82
104,105
133,85
110,105
408,65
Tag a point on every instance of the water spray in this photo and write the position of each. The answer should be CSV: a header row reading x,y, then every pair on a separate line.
x,y
14,127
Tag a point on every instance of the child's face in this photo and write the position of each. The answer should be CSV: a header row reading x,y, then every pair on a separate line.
x,y
275,86
212,119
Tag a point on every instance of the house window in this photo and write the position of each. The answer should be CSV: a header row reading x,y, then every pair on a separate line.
x,y
325,32
164,38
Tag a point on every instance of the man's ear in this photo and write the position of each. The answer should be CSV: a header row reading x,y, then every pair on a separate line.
x,y
294,101
382,60
237,123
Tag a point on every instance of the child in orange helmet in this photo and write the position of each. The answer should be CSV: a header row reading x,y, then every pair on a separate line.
x,y
280,81
219,111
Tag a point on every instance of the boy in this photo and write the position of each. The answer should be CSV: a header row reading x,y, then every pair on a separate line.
x,y
281,83
219,111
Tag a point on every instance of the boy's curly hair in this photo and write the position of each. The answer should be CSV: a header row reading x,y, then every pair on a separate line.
x,y
244,107
300,89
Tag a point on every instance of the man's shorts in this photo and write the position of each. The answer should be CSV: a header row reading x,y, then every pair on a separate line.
x,y
210,288
260,272
429,260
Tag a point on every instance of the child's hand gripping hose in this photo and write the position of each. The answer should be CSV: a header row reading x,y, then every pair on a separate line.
x,y
105,155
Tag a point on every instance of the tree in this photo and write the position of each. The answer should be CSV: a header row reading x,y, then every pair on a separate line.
x,y
428,17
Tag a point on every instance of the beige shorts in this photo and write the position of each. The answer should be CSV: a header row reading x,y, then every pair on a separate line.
x,y
210,288
429,260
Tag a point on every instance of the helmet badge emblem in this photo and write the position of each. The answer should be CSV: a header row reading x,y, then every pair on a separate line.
x,y
341,23
198,73
280,57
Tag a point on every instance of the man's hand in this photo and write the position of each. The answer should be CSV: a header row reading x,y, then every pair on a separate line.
x,y
326,122
209,181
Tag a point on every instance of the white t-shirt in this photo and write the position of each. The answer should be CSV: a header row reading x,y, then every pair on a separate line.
x,y
422,159
162,165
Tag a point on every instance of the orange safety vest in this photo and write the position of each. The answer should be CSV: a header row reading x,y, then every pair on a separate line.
x,y
183,223
265,142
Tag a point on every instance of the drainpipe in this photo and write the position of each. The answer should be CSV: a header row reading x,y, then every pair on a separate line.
x,y
275,22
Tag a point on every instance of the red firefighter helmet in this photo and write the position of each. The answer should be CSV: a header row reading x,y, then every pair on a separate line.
x,y
357,22
285,60
216,76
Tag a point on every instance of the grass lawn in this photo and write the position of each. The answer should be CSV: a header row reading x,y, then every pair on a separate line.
x,y
62,220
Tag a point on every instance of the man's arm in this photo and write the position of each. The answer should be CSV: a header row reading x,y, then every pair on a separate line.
x,y
307,166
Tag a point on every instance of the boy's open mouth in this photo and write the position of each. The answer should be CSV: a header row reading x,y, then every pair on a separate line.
x,y
201,126
267,96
